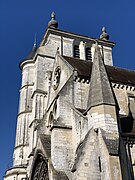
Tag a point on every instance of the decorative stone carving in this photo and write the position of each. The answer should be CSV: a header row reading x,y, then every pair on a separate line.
x,y
56,79
104,35
53,23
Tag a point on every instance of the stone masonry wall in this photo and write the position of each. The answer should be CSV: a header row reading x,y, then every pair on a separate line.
x,y
104,117
80,94
61,148
79,128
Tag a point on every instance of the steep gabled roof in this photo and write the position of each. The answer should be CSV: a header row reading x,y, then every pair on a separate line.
x,y
32,53
100,91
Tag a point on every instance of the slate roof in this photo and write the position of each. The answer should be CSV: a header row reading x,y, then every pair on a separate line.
x,y
32,53
116,74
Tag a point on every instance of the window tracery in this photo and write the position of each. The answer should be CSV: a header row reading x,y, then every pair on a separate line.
x,y
41,170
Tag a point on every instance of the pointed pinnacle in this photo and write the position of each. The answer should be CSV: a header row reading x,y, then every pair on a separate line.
x,y
100,91
53,15
35,41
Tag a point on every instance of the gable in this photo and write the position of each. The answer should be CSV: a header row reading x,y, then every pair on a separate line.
x,y
62,71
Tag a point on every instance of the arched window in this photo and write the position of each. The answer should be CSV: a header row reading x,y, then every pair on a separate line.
x,y
40,171
76,51
88,54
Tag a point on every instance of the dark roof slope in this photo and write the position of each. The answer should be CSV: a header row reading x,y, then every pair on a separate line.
x,y
32,53
116,74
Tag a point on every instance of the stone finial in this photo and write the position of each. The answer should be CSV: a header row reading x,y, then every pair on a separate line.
x,y
104,35
35,42
53,23
53,15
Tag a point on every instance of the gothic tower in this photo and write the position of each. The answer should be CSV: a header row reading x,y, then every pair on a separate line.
x,y
76,111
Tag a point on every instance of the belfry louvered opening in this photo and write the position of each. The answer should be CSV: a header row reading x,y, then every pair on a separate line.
x,y
76,51
88,54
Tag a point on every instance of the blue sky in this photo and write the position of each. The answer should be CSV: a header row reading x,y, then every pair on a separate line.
x,y
20,20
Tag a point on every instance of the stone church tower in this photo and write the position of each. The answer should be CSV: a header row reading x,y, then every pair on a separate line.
x,y
76,118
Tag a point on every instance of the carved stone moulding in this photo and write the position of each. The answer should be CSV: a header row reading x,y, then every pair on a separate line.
x,y
56,79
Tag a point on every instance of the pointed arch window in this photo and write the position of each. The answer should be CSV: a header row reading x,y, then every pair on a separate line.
x,y
76,51
40,171
88,54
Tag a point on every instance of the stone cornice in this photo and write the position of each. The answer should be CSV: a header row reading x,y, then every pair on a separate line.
x,y
123,86
74,35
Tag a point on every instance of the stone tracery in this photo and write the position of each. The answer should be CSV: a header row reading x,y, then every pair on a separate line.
x,y
40,170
